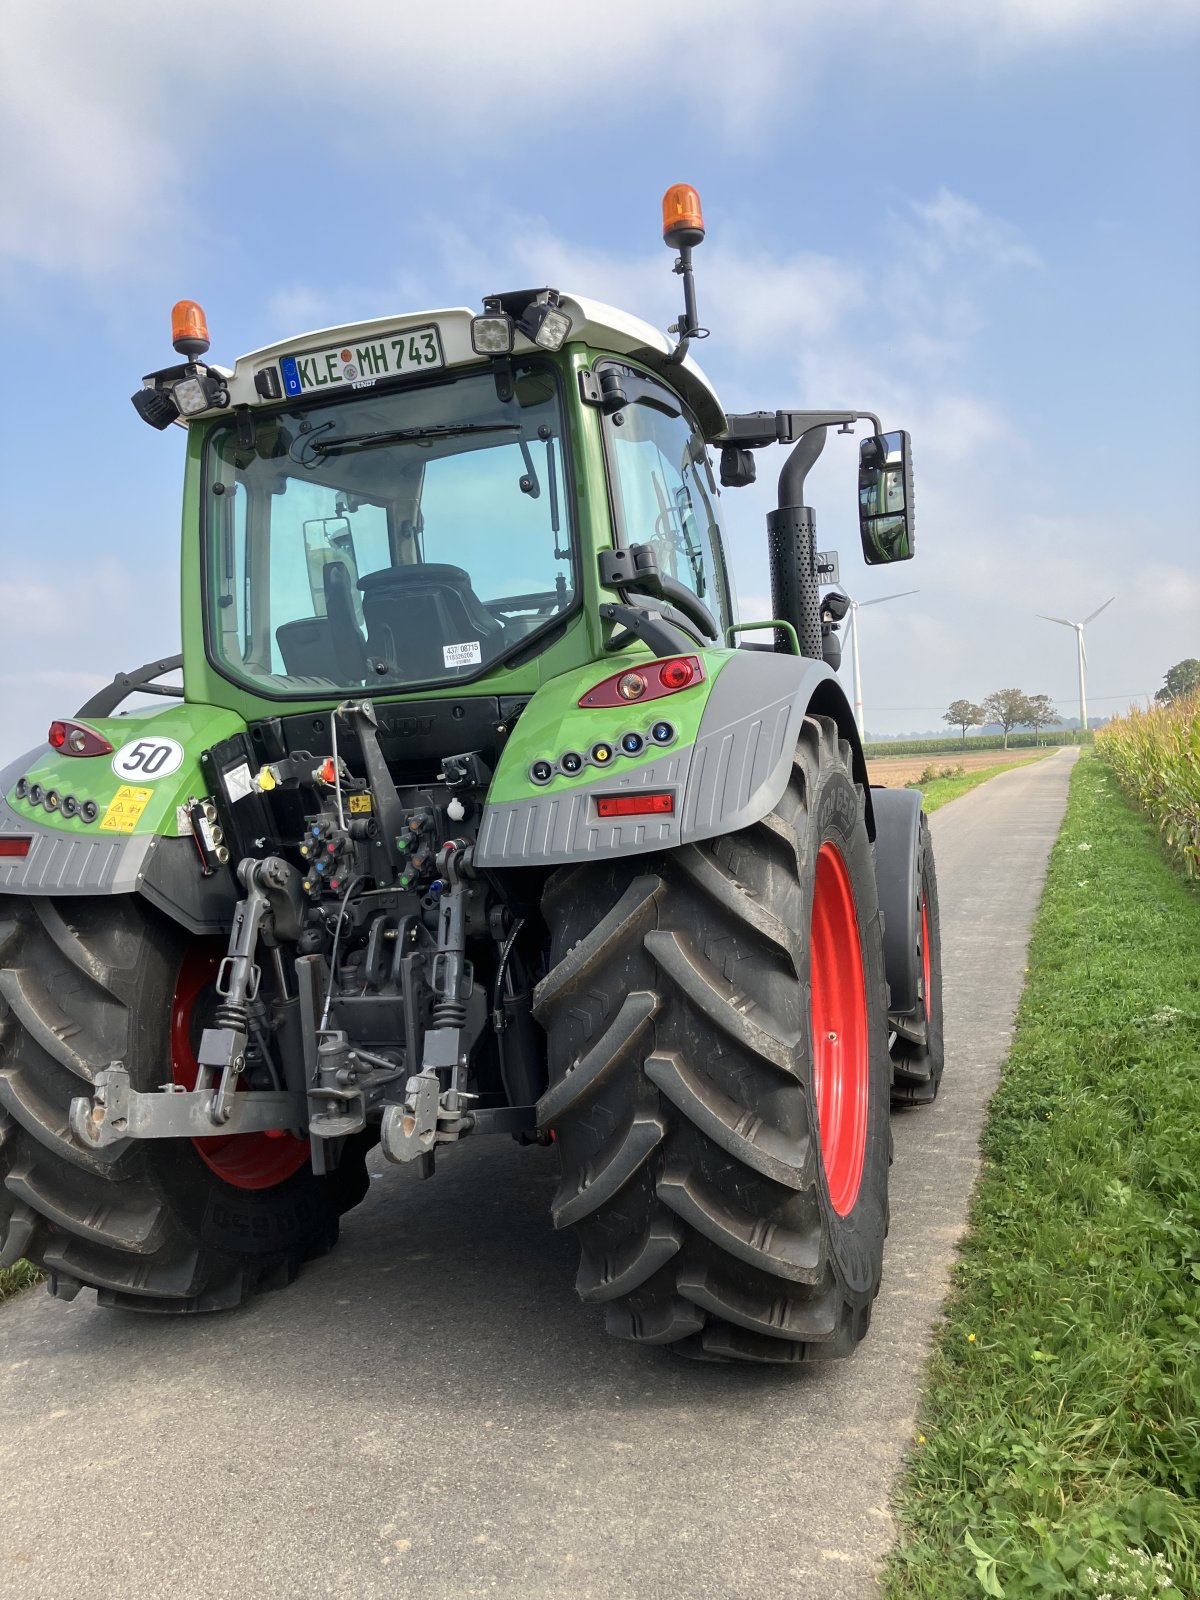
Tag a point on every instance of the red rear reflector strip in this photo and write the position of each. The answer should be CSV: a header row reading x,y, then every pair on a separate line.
x,y
15,844
635,805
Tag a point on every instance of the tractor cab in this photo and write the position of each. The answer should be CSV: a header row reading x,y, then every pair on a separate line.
x,y
401,506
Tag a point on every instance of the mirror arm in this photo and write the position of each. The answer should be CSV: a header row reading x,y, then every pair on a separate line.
x,y
799,463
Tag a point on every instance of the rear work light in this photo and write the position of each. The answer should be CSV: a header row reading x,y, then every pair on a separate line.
x,y
635,805
74,739
648,681
15,844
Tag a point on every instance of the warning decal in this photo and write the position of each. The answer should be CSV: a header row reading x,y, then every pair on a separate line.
x,y
125,808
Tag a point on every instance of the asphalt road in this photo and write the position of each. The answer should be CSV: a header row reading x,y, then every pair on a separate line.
x,y
430,1411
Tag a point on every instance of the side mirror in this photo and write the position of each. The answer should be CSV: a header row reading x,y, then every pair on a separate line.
x,y
326,540
885,499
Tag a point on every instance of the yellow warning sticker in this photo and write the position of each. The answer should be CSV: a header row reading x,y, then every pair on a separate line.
x,y
124,809
359,804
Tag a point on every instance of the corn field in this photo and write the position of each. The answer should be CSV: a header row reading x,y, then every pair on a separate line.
x,y
1156,756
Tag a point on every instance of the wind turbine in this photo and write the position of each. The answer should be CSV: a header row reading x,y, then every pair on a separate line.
x,y
855,606
1079,627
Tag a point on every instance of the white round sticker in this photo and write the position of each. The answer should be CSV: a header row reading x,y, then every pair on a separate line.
x,y
144,760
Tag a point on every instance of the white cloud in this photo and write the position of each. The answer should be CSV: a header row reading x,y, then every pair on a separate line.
x,y
116,112
68,634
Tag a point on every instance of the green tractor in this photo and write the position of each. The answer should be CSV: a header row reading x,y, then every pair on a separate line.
x,y
478,812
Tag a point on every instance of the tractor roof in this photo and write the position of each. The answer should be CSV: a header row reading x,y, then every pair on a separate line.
x,y
600,326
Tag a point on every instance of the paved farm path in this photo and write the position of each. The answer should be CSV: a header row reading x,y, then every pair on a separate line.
x,y
429,1411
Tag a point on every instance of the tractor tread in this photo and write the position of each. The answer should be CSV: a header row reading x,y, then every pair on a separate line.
x,y
587,1075
723,1006
616,1162
625,922
51,1033
103,1221
607,1277
745,1135
681,1086
786,1252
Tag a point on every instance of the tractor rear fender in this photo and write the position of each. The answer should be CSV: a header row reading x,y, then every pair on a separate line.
x,y
728,767
122,830
897,875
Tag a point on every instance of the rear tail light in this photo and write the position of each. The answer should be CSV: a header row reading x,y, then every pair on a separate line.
x,y
649,681
15,844
74,739
635,805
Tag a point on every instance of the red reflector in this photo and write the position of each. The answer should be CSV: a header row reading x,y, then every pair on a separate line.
x,y
635,805
15,844
677,674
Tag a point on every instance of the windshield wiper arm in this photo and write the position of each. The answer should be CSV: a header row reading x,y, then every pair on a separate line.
x,y
444,430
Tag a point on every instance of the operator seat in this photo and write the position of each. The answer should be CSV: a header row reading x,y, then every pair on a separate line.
x,y
412,613
348,648
331,647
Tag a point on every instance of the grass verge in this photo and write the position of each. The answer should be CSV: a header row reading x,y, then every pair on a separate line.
x,y
1059,1443
14,1279
940,791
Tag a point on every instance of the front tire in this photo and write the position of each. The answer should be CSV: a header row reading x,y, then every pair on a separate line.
x,y
917,1064
150,1224
719,1078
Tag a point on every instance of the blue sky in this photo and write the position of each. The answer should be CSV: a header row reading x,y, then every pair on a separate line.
x,y
978,220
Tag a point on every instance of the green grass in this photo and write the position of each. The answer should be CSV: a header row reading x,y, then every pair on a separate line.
x,y
939,791
950,743
1058,1451
14,1279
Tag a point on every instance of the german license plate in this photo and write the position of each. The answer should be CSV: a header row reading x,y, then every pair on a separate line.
x,y
387,355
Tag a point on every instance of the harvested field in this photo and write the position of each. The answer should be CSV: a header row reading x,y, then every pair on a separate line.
x,y
895,771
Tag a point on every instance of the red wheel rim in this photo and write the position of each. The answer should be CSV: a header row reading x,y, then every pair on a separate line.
x,y
244,1160
925,953
839,1029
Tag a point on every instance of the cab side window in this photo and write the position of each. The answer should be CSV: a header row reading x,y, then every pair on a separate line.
x,y
664,492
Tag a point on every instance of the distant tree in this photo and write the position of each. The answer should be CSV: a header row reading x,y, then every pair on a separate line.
x,y
1041,714
1008,707
1182,679
964,714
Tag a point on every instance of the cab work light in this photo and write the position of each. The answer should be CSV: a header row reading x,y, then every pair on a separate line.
x,y
649,681
156,407
197,392
636,805
492,334
546,325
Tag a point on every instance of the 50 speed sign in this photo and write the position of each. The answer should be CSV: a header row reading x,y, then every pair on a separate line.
x,y
148,759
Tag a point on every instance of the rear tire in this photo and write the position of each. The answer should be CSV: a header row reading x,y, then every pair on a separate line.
x,y
917,1067
715,1212
148,1224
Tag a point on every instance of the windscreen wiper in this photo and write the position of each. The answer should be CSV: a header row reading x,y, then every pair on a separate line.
x,y
441,430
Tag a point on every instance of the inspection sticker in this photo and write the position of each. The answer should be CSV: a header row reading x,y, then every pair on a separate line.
x,y
238,782
125,808
462,655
